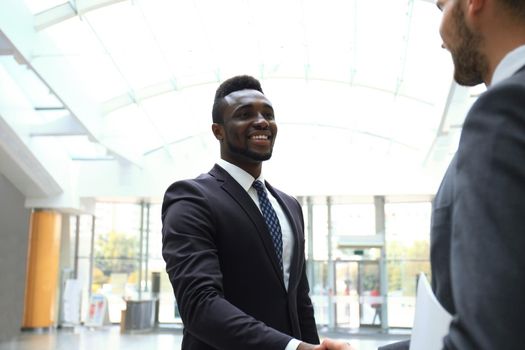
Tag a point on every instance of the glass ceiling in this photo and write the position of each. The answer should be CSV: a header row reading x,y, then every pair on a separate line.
x,y
363,81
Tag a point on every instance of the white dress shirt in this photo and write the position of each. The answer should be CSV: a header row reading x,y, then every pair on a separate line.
x,y
246,180
509,65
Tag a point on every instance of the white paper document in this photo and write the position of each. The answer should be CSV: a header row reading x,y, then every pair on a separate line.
x,y
431,322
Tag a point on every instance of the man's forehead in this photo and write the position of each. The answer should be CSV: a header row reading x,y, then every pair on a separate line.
x,y
245,96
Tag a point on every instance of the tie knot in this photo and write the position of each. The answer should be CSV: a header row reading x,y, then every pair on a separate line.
x,y
258,185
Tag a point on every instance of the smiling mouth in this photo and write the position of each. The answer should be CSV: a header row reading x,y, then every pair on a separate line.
x,y
260,137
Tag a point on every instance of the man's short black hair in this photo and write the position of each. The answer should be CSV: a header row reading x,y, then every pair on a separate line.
x,y
240,82
515,8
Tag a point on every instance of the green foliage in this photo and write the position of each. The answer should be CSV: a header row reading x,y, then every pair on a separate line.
x,y
419,249
370,276
116,252
405,262
99,279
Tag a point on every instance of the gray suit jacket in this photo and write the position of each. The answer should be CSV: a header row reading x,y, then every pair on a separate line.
x,y
477,234
224,269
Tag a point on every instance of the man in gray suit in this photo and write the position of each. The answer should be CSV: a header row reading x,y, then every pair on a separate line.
x,y
477,235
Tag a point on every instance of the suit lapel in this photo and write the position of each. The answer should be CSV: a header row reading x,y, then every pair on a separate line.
x,y
235,191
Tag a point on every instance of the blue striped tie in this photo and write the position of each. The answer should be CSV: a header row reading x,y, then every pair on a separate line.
x,y
271,220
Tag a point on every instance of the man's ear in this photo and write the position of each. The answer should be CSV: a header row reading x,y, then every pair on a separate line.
x,y
474,13
475,6
218,131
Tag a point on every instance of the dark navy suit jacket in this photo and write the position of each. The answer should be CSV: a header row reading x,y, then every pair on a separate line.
x,y
224,270
478,226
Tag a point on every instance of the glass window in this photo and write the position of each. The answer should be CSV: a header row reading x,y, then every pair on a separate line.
x,y
402,276
407,249
353,219
320,231
319,290
116,255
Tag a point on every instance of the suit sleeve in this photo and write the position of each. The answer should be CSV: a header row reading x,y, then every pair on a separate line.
x,y
192,263
488,239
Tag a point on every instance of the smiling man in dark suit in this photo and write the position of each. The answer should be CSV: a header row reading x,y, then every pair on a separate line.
x,y
233,244
477,236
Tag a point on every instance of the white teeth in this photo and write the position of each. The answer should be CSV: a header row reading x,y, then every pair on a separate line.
x,y
260,137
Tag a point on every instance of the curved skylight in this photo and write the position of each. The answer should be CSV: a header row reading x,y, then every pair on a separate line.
x,y
356,82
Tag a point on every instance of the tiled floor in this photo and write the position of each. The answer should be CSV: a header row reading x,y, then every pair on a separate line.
x,y
109,337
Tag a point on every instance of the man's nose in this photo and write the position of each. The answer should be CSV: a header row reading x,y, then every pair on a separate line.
x,y
261,121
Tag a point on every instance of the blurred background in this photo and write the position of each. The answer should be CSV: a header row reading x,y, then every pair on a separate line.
x,y
104,103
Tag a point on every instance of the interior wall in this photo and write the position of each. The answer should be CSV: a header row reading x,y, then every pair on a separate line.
x,y
14,232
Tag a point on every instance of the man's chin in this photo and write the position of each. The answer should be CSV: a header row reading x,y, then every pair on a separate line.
x,y
260,157
468,80
249,154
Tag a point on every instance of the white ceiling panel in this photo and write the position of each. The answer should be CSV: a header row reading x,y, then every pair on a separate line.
x,y
366,78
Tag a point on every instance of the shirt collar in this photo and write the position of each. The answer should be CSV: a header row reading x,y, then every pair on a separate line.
x,y
509,65
241,176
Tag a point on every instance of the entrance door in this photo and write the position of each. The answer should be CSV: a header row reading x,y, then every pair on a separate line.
x,y
357,291
346,294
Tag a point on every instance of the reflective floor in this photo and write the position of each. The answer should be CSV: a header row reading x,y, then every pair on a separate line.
x,y
109,337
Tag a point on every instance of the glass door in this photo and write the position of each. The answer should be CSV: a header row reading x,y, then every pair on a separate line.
x,y
346,294
357,295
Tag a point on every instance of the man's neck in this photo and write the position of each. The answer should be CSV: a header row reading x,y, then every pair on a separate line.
x,y
499,44
254,169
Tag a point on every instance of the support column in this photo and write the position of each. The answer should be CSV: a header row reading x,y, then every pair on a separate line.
x,y
379,202
141,244
42,269
310,248
332,316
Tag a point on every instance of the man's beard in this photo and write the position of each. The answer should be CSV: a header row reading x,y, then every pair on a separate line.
x,y
247,153
469,64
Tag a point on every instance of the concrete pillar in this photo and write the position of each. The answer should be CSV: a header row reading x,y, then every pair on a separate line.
x,y
379,203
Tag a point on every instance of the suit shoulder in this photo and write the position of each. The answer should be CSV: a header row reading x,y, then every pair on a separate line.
x,y
189,189
506,88
503,102
201,181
